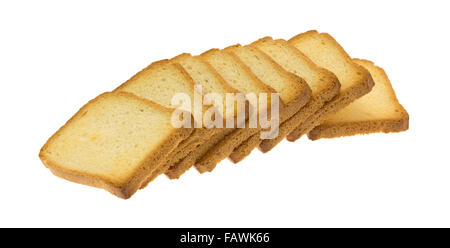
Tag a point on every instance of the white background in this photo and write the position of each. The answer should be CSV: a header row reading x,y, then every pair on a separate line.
x,y
56,55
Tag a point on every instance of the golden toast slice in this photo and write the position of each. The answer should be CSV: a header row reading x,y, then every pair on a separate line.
x,y
324,84
240,77
293,91
378,111
114,142
355,80
160,82
211,82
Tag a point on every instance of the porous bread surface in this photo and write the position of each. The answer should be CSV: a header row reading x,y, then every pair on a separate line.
x,y
159,82
212,82
186,163
299,119
211,145
113,142
204,75
240,77
326,52
293,90
324,84
289,86
294,61
199,136
234,72
378,111
245,148
380,103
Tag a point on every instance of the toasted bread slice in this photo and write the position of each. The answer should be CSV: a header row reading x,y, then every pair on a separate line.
x,y
114,142
324,84
204,75
187,162
159,82
240,77
355,80
378,111
294,92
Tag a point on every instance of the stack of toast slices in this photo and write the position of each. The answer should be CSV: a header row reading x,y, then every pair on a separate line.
x,y
178,113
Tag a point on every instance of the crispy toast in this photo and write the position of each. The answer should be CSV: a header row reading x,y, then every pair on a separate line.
x,y
293,91
324,84
114,142
240,77
159,82
326,52
378,111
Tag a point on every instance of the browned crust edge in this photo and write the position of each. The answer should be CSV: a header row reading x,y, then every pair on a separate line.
x,y
364,127
246,147
340,101
225,147
355,128
187,144
360,88
177,165
187,162
148,164
306,112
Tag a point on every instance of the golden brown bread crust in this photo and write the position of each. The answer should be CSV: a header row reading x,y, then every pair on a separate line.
x,y
333,106
354,128
225,147
362,85
328,87
198,136
194,139
177,154
308,110
239,143
162,62
177,168
189,145
186,163
385,125
148,164
246,147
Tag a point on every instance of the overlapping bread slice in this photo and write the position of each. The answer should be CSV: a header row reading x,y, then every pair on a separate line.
x,y
324,84
114,142
240,77
378,111
211,83
355,80
293,91
187,162
160,82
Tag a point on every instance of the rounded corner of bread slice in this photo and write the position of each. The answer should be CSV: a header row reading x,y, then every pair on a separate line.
x,y
112,142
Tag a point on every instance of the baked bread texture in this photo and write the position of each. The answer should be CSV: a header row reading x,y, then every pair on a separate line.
x,y
114,142
122,140
240,77
324,84
378,111
212,83
293,91
355,80
159,82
